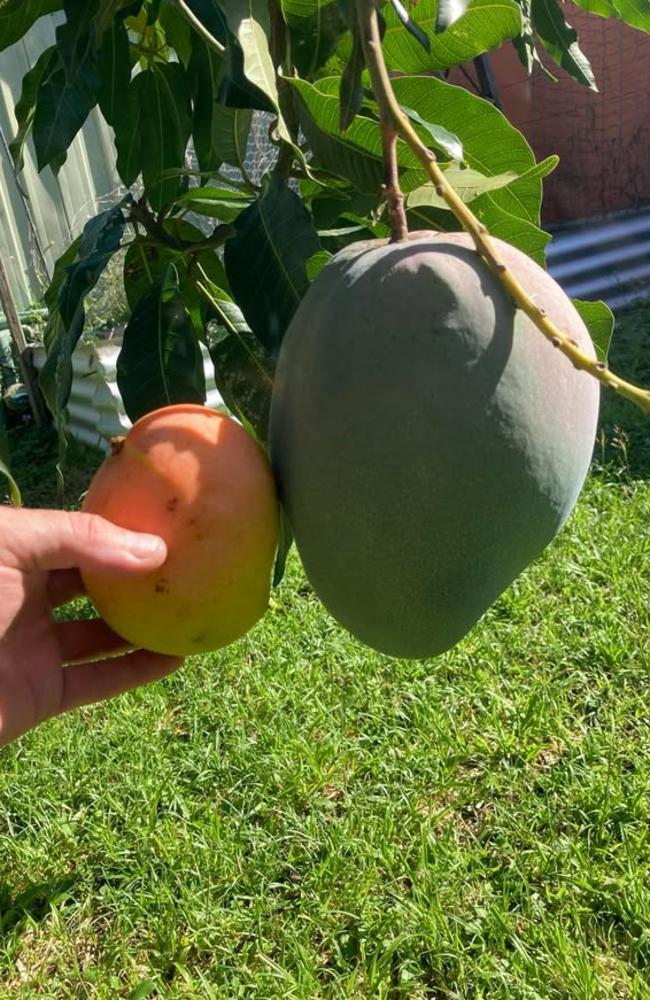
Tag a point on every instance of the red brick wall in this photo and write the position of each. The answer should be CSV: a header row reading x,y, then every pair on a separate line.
x,y
602,139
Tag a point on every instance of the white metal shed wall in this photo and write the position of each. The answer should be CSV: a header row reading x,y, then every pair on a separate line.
x,y
96,409
35,231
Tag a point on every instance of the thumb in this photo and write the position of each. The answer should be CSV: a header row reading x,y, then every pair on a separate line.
x,y
53,539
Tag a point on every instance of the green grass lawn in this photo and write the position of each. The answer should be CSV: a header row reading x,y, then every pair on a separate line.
x,y
298,817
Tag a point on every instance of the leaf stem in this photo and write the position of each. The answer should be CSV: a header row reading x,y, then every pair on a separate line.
x,y
485,246
389,123
204,290
152,225
199,27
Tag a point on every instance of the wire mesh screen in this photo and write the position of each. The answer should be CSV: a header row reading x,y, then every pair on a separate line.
x,y
261,153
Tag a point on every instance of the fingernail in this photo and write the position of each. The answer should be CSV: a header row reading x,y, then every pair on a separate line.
x,y
147,546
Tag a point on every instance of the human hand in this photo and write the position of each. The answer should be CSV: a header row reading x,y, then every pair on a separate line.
x,y
49,667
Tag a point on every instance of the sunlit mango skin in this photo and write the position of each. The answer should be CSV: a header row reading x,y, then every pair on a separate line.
x,y
428,443
201,482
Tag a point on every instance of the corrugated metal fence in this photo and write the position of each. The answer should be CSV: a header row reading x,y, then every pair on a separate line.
x,y
38,222
96,409
605,259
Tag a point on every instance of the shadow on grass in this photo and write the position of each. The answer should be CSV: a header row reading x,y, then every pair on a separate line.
x,y
623,444
33,452
32,904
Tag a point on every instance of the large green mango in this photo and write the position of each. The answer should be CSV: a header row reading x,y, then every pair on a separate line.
x,y
428,441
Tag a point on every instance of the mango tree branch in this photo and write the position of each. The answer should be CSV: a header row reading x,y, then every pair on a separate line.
x,y
140,214
485,246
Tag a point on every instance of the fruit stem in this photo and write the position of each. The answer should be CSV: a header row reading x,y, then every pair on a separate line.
x,y
391,112
391,189
388,123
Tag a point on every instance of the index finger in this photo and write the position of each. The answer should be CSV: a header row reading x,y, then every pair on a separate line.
x,y
56,539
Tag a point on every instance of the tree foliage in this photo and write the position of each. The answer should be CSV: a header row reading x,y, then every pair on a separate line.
x,y
219,256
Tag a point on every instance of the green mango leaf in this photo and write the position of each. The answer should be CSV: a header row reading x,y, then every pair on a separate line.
x,y
62,105
235,90
190,238
316,263
351,89
636,13
446,141
315,28
204,70
215,203
248,20
449,11
75,37
491,145
485,25
524,235
128,134
160,362
76,274
211,16
414,29
60,274
110,11
17,17
26,107
229,132
561,41
146,264
266,260
243,369
301,13
163,92
201,267
218,74
114,69
470,184
178,32
599,320
525,44
354,154
220,133
521,233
